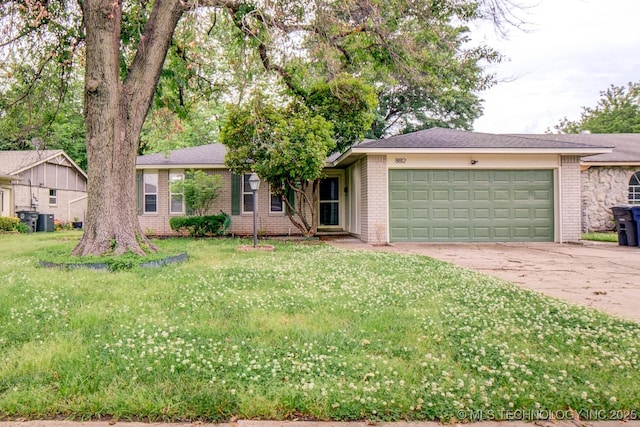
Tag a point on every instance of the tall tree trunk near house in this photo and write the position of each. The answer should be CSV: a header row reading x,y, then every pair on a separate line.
x,y
115,111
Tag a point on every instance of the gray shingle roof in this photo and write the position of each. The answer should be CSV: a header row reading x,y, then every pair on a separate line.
x,y
450,138
12,162
626,146
211,155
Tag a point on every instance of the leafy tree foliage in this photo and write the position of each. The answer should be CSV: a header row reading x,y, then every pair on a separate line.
x,y
286,147
200,190
617,111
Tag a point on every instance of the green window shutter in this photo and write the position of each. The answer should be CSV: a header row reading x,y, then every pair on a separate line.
x,y
291,197
139,194
236,193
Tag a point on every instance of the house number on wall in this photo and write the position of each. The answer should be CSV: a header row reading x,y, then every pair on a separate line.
x,y
401,160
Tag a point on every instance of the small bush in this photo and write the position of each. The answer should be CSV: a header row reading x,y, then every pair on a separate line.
x,y
199,226
8,223
22,228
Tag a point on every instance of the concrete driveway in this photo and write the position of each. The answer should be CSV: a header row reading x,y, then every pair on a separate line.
x,y
605,276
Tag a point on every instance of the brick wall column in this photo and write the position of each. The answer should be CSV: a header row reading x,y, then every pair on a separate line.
x,y
375,205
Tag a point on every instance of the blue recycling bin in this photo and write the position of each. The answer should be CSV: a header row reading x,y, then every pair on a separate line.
x,y
627,227
635,211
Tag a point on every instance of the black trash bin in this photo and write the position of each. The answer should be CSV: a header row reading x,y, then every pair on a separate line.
x,y
45,222
30,218
627,227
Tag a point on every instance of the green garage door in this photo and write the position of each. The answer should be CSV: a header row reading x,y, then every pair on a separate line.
x,y
471,205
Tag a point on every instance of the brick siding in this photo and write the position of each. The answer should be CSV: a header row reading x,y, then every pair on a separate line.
x,y
268,223
571,209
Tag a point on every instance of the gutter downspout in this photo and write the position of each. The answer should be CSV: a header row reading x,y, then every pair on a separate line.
x,y
70,202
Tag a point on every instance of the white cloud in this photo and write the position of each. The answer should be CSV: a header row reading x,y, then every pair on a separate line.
x,y
575,50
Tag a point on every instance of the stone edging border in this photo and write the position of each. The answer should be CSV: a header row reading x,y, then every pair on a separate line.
x,y
105,266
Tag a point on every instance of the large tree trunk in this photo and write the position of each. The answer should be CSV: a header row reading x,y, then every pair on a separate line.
x,y
115,111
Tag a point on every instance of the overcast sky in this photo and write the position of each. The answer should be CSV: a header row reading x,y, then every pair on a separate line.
x,y
574,50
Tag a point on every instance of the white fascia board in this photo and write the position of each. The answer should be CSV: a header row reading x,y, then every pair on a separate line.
x,y
562,151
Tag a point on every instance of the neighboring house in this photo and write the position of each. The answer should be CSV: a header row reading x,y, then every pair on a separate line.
x,y
436,185
608,179
47,181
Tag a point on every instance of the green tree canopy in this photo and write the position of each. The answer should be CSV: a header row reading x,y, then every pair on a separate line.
x,y
617,111
286,147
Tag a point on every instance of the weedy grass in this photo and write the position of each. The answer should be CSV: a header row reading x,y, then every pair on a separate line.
x,y
306,331
600,237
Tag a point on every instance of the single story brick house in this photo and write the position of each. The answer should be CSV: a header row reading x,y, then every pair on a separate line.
x,y
47,181
435,185
608,179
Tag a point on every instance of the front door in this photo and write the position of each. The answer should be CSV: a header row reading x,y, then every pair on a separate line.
x,y
330,202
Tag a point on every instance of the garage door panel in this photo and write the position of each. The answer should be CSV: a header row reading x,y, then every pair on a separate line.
x,y
481,213
481,195
541,195
520,213
441,177
461,177
440,195
440,233
460,195
460,213
466,205
521,195
440,213
481,177
461,233
400,213
419,195
420,214
399,195
400,233
501,195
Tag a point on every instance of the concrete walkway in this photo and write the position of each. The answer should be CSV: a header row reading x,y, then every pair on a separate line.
x,y
604,276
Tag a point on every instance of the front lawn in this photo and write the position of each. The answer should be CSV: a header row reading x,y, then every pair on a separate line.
x,y
306,331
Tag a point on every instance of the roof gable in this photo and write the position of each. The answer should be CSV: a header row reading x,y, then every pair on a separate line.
x,y
15,162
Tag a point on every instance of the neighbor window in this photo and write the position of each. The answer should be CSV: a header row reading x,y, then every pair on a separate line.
x,y
150,192
634,188
247,194
276,204
53,196
176,200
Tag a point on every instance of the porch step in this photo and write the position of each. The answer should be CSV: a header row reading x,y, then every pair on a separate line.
x,y
334,235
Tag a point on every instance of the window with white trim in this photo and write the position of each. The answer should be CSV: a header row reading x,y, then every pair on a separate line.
x,y
150,189
247,194
634,189
176,200
53,196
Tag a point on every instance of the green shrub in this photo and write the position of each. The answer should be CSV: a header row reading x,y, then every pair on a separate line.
x,y
22,228
198,226
8,223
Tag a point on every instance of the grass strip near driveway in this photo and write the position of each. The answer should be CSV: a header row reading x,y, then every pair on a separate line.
x,y
306,331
